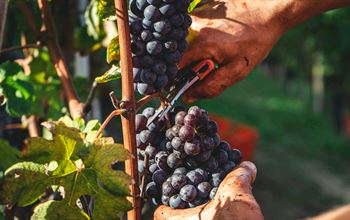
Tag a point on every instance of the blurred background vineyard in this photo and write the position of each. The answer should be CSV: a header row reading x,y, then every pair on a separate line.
x,y
298,100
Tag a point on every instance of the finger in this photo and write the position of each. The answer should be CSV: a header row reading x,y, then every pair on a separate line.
x,y
216,82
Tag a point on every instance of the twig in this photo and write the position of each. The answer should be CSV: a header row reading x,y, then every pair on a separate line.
x,y
3,15
48,26
20,47
14,126
145,172
128,99
33,128
141,102
92,93
114,100
108,119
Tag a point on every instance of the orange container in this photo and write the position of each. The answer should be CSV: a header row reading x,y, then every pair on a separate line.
x,y
240,136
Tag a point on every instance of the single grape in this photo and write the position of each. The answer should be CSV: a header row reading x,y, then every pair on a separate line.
x,y
152,125
161,161
178,180
215,181
224,145
177,34
154,2
192,148
177,144
196,202
159,67
154,47
216,140
195,110
148,112
169,146
141,4
182,5
146,35
182,46
228,166
218,173
147,61
152,190
139,143
187,133
173,57
170,134
194,178
212,128
140,122
162,26
134,9
151,151
158,36
152,13
167,10
187,21
136,27
146,136
136,62
152,168
159,177
136,74
191,163
161,82
170,46
167,189
235,155
176,128
147,24
173,161
203,156
165,200
181,170
177,20
220,155
188,193
207,142
212,164
203,189
190,120
176,202
172,71
203,173
180,154
180,118
213,192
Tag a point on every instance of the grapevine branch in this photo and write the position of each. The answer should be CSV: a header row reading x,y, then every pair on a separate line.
x,y
90,98
128,101
20,47
48,26
143,101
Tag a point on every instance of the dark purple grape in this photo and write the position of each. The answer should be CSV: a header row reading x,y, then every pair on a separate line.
x,y
173,161
207,143
170,134
152,13
192,148
172,71
169,146
195,110
178,180
154,2
177,34
152,168
221,156
187,133
177,144
180,154
136,62
203,189
146,35
147,76
134,9
136,27
147,24
177,20
148,112
180,118
228,167
147,61
182,46
167,10
215,181
170,46
181,170
162,26
161,160
213,192
152,190
165,200
139,143
191,163
140,122
212,164
188,193
176,128
194,178
224,145
182,5
167,189
158,36
187,21
161,82
190,120
202,172
154,47
146,136
156,201
235,156
212,128
159,177
218,173
173,57
176,202
136,74
203,156
141,4
196,202
159,67
216,140
151,151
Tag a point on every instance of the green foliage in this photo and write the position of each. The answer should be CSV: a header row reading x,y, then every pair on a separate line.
x,y
79,164
113,50
17,90
8,156
93,21
106,9
113,73
193,5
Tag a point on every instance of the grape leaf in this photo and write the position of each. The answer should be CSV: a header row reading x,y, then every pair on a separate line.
x,y
106,10
113,50
113,73
193,5
8,156
81,169
93,22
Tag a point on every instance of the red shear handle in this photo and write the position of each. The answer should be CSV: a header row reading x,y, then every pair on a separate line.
x,y
204,68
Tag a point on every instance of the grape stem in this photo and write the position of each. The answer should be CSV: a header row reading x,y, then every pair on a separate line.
x,y
108,119
146,99
90,98
144,174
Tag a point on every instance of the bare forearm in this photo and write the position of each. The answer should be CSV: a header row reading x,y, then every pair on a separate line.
x,y
293,12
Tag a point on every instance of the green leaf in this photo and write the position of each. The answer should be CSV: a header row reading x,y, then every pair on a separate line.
x,y
25,182
106,9
9,69
8,156
93,22
113,73
193,5
113,50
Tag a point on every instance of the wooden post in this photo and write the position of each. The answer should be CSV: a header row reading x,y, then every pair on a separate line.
x,y
128,102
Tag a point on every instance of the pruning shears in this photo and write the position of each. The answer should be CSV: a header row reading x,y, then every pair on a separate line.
x,y
187,78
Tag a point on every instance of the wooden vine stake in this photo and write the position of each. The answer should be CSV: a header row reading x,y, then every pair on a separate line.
x,y
128,103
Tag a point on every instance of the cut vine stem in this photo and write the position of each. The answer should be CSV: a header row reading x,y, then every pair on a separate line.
x,y
128,102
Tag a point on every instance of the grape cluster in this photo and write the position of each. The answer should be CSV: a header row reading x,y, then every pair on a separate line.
x,y
158,39
187,161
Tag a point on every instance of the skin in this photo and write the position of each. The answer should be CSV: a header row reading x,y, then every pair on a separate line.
x,y
239,34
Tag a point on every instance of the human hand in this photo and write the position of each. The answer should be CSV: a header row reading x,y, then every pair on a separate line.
x,y
233,200
237,35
